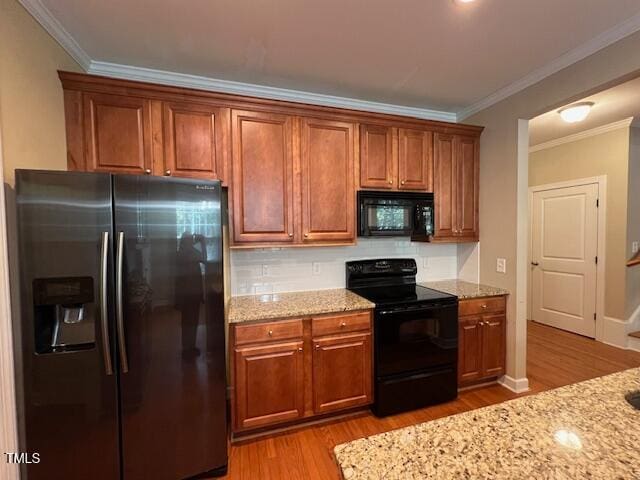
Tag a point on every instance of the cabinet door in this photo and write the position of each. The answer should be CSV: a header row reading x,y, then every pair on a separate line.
x,y
493,345
118,133
469,349
444,185
377,164
269,384
263,206
342,374
328,190
467,181
195,140
415,160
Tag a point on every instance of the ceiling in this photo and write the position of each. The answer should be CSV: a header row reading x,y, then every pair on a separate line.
x,y
429,54
611,105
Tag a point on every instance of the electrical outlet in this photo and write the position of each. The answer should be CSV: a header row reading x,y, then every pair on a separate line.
x,y
315,268
635,246
501,265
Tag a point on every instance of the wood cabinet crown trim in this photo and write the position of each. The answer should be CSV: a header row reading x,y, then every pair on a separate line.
x,y
97,83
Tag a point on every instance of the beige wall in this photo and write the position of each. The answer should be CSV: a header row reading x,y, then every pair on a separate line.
x,y
499,195
633,219
604,154
31,103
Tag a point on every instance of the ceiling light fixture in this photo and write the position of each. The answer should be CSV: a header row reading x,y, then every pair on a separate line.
x,y
576,112
462,2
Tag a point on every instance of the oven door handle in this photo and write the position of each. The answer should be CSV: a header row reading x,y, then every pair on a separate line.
x,y
416,309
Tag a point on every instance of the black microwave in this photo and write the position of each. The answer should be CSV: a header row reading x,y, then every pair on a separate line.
x,y
396,214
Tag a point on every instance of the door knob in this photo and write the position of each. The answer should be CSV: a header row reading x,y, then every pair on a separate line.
x,y
167,173
535,264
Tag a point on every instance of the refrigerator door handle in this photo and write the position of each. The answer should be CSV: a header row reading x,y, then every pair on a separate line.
x,y
124,361
104,311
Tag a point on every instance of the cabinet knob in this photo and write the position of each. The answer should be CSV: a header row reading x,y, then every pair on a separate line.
x,y
402,182
167,173
291,234
343,324
147,171
271,333
306,235
317,346
484,305
300,349
390,182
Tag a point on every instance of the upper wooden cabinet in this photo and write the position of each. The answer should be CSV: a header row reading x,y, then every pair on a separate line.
x,y
415,159
195,140
262,177
456,172
292,169
328,190
396,158
377,157
118,133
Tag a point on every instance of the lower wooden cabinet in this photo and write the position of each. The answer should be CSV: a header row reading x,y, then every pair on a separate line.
x,y
269,384
341,372
482,340
288,370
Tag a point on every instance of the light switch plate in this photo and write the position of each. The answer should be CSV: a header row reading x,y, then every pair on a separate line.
x,y
265,270
501,265
315,268
635,247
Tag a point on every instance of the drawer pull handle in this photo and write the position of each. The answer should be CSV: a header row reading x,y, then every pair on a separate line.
x,y
271,333
343,324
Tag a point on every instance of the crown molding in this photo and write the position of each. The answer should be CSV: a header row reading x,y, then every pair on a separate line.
x,y
51,24
629,26
164,77
627,122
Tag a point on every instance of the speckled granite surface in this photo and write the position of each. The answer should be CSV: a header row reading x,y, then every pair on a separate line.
x,y
294,304
465,289
585,430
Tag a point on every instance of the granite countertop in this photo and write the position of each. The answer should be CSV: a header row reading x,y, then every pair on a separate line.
x,y
585,430
463,289
294,304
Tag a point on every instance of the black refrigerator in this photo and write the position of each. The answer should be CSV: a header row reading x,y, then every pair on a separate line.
x,y
121,370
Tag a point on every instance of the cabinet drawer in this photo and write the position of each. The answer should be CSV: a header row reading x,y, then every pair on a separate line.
x,y
341,323
481,305
264,332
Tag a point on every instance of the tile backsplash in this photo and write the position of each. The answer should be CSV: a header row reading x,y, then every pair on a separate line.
x,y
271,270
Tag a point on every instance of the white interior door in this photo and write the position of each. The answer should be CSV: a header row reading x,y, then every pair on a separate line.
x,y
563,258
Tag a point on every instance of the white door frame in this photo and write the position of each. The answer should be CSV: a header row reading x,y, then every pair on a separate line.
x,y
601,181
8,422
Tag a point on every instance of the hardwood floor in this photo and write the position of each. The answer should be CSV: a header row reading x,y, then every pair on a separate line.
x,y
555,358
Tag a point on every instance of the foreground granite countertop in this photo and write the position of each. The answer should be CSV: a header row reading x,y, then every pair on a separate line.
x,y
463,289
585,430
294,304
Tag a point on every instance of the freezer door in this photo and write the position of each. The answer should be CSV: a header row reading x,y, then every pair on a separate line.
x,y
67,386
171,326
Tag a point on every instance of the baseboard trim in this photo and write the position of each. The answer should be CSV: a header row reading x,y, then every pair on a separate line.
x,y
516,385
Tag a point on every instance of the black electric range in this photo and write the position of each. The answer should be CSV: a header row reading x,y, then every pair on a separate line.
x,y
415,335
